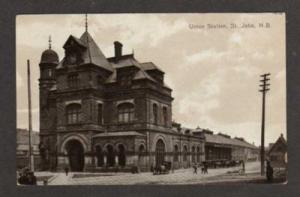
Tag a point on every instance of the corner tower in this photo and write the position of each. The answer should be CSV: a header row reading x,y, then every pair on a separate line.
x,y
47,85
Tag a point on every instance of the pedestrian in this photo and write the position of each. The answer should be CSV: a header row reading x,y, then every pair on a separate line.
x,y
195,168
66,170
205,168
243,167
22,180
269,172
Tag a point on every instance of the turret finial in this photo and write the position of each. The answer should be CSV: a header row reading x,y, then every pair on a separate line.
x,y
50,42
86,22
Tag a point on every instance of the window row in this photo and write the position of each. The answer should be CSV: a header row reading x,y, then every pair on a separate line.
x,y
126,113
74,80
195,153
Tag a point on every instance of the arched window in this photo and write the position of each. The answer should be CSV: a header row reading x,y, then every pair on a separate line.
x,y
100,114
155,115
165,116
176,153
193,154
185,153
99,155
160,152
198,154
125,112
73,113
141,150
73,81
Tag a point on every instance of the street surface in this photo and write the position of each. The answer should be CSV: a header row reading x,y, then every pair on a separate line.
x,y
181,176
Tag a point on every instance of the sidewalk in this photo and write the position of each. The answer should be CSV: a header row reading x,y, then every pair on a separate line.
x,y
181,176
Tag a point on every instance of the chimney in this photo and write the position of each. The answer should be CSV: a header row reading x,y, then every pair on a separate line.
x,y
118,50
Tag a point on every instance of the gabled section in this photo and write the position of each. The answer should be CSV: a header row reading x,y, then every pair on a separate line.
x,y
93,54
71,41
84,51
280,145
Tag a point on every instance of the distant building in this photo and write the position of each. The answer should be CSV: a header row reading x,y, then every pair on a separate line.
x,y
277,154
22,149
222,147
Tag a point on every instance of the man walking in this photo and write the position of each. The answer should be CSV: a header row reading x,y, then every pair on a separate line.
x,y
195,168
66,170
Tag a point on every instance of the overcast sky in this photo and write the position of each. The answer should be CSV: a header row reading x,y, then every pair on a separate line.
x,y
214,73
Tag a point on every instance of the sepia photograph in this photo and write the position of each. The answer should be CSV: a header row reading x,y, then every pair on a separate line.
x,y
151,99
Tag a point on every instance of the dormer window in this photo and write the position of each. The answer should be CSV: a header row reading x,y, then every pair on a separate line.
x,y
125,80
72,58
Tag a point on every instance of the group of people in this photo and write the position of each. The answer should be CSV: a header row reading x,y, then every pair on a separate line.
x,y
27,177
203,169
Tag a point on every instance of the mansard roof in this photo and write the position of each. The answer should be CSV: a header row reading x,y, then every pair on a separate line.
x,y
222,140
150,66
128,61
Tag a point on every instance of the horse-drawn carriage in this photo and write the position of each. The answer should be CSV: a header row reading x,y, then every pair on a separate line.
x,y
163,168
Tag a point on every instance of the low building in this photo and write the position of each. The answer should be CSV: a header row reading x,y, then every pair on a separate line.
x,y
277,154
222,147
22,148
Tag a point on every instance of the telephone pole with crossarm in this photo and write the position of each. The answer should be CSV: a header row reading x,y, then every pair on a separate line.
x,y
264,88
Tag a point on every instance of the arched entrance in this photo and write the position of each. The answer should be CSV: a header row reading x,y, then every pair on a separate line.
x,y
99,155
110,156
121,155
75,153
141,158
160,152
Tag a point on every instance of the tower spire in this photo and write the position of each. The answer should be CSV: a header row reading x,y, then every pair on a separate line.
x,y
86,22
50,42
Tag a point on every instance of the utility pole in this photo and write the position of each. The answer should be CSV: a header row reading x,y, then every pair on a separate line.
x,y
265,88
31,159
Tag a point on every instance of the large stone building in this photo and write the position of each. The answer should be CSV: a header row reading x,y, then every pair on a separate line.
x,y
97,113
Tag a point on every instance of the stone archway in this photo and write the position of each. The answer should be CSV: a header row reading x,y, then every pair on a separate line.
x,y
75,152
110,155
121,155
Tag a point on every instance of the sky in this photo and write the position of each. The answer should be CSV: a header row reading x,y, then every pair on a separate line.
x,y
214,72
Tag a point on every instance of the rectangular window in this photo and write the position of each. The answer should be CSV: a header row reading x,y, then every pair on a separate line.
x,y
73,81
100,112
165,116
125,113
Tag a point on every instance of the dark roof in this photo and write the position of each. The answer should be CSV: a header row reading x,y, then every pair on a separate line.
x,y
219,139
128,62
92,53
49,56
150,66
280,140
